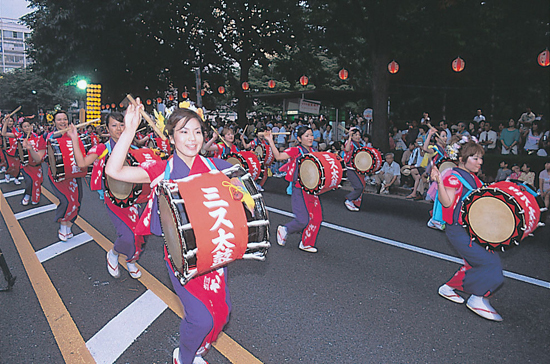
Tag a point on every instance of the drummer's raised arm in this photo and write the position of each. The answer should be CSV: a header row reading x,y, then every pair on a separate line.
x,y
280,156
81,160
115,165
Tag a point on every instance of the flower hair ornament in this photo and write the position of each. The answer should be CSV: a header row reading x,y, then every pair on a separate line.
x,y
452,149
188,105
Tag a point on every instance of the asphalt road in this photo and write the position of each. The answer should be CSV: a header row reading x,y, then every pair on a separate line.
x,y
361,299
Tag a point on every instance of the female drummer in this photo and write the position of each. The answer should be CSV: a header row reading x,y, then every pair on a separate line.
x,y
69,190
126,219
32,172
354,142
221,150
257,141
306,207
206,306
481,275
9,132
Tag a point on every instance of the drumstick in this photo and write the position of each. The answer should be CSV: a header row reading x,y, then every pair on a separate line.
x,y
13,112
436,133
223,140
146,117
62,131
262,133
246,127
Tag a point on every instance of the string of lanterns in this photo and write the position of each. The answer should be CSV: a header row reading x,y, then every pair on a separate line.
x,y
458,65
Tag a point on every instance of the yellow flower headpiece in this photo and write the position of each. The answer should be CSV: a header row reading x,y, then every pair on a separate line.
x,y
160,120
187,105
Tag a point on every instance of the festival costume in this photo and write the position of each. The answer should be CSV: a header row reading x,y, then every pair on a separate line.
x,y
68,192
126,219
481,274
13,162
224,150
357,180
306,207
32,172
205,298
253,144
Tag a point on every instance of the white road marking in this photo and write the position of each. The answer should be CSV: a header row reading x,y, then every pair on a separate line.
x,y
35,211
14,193
62,247
512,275
3,180
119,333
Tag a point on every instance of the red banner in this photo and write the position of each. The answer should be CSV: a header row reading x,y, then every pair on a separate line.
x,y
71,169
218,220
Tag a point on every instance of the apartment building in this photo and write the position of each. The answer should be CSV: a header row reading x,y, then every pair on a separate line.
x,y
12,44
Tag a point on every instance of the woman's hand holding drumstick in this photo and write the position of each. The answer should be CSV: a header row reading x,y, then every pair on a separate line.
x,y
63,131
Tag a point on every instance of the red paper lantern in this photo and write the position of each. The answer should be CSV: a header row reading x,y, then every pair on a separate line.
x,y
393,67
271,84
343,74
458,64
102,107
245,86
544,58
121,105
184,94
304,80
159,100
148,101
221,90
113,105
202,92
107,106
171,97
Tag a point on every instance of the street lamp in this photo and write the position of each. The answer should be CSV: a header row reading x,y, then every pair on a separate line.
x,y
82,84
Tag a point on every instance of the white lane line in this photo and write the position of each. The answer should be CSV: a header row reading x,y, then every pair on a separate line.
x,y
61,247
516,276
3,180
35,211
119,333
14,193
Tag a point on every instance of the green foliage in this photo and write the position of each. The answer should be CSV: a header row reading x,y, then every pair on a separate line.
x,y
18,86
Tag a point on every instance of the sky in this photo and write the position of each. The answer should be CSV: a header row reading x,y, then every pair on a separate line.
x,y
13,8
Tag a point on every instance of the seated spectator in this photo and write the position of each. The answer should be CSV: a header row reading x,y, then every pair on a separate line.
x,y
503,172
532,137
418,171
516,171
473,129
510,138
488,138
462,129
389,175
544,144
444,126
544,184
398,139
526,175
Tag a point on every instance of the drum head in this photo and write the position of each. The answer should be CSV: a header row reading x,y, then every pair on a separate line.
x,y
169,225
446,165
363,161
234,161
120,190
259,152
309,174
491,219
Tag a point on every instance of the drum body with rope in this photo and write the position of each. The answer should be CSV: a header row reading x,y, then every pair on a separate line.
x,y
319,172
124,194
62,161
24,156
212,219
500,215
265,154
366,160
249,161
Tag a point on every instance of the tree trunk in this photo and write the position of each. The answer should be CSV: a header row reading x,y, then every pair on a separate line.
x,y
242,95
380,94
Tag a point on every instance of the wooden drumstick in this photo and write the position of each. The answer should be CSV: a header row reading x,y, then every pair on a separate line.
x,y
146,117
13,112
262,133
436,133
62,131
244,131
219,136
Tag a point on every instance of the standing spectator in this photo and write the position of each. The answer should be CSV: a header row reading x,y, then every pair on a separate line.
x,y
544,184
479,116
462,129
503,172
444,126
398,139
488,138
532,137
526,118
509,138
412,132
327,135
425,119
389,175
281,138
316,135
